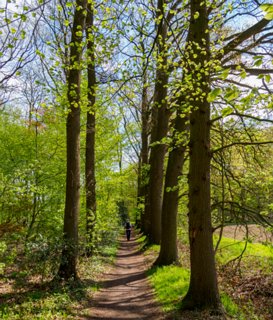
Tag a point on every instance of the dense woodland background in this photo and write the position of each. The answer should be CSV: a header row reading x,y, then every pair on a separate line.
x,y
155,111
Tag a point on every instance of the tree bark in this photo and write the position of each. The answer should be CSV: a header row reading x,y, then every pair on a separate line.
x,y
68,266
203,289
90,133
168,248
144,152
160,126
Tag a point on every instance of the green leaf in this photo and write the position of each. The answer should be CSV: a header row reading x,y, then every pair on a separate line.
x,y
225,74
267,78
213,94
231,95
23,17
268,9
69,4
243,74
196,15
226,111
269,16
258,62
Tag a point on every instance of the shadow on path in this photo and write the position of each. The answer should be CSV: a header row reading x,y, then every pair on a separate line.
x,y
125,292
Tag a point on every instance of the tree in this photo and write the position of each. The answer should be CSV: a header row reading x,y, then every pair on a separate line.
x,y
177,147
68,266
90,130
159,128
203,289
203,292
168,248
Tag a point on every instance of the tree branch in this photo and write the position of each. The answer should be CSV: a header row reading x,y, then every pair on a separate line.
x,y
256,28
241,144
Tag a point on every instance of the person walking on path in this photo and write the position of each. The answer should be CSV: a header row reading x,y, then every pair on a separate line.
x,y
128,228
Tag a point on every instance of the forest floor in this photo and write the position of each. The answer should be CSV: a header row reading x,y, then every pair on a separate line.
x,y
124,291
127,294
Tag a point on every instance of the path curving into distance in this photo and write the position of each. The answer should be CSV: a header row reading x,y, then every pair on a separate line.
x,y
126,292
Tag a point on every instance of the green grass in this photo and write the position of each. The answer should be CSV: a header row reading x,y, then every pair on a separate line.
x,y
171,284
255,252
145,246
110,250
231,308
142,239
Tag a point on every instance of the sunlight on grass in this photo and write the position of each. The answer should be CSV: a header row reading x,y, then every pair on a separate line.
x,y
110,251
149,248
230,249
171,284
60,303
231,308
141,239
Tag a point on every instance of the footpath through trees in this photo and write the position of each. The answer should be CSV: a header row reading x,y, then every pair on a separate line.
x,y
126,292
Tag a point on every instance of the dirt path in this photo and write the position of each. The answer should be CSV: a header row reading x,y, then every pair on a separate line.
x,y
126,293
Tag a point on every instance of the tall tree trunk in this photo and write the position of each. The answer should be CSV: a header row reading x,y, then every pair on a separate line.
x,y
68,266
168,248
144,153
160,125
203,289
90,132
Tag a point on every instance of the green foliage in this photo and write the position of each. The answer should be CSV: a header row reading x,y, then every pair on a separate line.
x,y
268,9
3,248
31,171
45,304
53,300
42,256
214,94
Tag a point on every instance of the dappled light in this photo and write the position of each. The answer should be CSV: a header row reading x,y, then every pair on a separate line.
x,y
136,147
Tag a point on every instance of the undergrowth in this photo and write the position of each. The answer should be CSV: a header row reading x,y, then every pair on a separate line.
x,y
171,282
23,297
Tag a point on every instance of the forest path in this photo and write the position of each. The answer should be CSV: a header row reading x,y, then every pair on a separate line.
x,y
126,292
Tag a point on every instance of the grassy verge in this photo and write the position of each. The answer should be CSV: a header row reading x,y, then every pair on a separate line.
x,y
256,253
171,282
